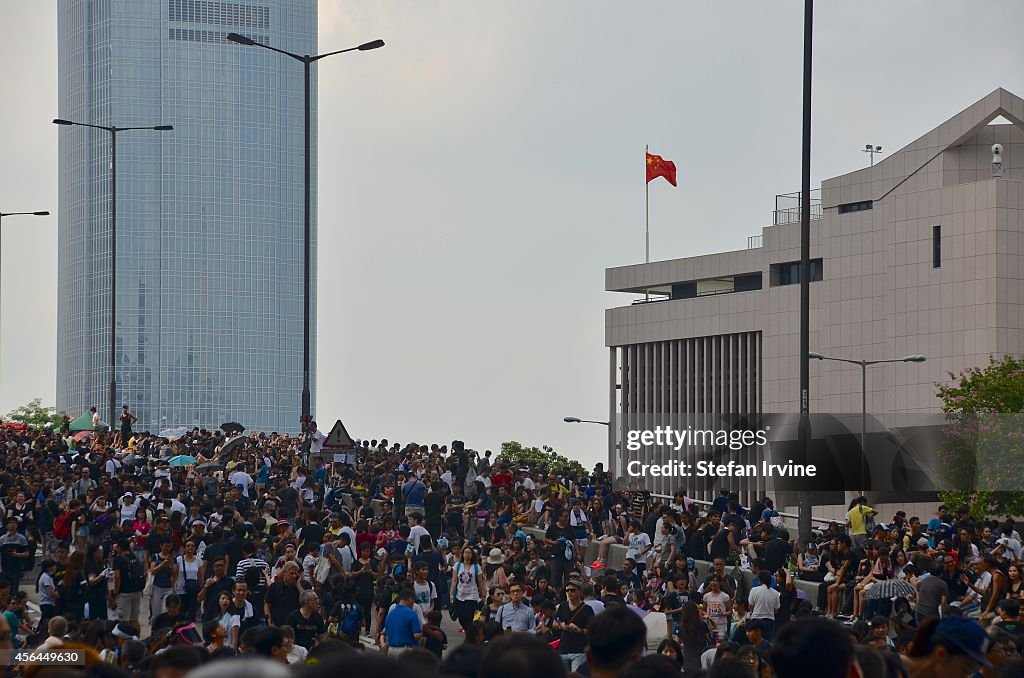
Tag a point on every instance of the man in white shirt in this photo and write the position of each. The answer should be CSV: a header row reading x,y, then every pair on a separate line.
x,y
1013,545
113,465
416,530
316,438
239,478
764,603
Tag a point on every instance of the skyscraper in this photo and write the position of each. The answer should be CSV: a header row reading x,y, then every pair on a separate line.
x,y
209,216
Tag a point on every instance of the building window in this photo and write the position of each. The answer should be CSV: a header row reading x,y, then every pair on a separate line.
x,y
855,206
936,246
788,273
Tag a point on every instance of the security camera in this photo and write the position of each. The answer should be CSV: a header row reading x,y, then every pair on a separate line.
x,y
997,161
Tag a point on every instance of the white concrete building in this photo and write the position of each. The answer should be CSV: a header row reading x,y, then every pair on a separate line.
x,y
919,254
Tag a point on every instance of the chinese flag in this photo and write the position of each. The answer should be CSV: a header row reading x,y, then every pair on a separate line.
x,y
659,167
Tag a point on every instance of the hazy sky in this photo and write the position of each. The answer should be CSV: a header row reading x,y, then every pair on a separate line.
x,y
480,172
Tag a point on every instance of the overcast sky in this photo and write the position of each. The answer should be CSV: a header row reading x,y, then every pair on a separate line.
x,y
480,173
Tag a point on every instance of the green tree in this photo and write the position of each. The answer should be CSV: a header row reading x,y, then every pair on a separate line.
x,y
983,452
36,416
515,454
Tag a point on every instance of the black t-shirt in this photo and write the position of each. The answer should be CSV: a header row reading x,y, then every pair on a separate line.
x,y
720,545
853,561
573,642
166,621
98,591
282,600
306,630
312,536
554,532
775,553
364,575
210,606
433,503
120,564
289,497
153,541
492,535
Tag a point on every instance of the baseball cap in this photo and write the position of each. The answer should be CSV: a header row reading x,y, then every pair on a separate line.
x,y
967,635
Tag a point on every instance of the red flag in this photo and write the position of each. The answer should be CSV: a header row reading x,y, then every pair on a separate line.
x,y
659,167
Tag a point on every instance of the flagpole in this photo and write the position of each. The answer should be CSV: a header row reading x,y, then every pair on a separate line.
x,y
647,219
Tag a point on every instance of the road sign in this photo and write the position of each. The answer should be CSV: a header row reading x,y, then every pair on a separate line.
x,y
338,438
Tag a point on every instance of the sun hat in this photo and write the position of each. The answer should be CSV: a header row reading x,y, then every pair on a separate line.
x,y
495,557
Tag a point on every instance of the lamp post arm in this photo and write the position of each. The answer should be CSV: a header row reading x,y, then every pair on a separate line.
x,y
318,57
297,57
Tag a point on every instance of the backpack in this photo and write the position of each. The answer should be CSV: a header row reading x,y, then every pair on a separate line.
x,y
349,627
62,525
136,573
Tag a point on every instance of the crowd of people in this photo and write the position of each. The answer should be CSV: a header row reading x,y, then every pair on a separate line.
x,y
451,562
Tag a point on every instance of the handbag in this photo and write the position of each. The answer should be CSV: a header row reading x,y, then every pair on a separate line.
x,y
192,586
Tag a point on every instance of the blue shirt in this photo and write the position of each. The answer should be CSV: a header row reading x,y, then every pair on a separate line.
x,y
400,625
413,492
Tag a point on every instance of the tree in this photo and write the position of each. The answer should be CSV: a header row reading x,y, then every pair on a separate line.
x,y
515,454
980,461
36,416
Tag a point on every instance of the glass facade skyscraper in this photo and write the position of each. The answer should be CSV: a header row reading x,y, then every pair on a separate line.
x,y
209,216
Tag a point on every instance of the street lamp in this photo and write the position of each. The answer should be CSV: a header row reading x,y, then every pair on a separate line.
x,y
864,364
577,420
113,130
306,61
872,149
17,214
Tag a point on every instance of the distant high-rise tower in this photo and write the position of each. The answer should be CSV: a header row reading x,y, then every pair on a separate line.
x,y
209,216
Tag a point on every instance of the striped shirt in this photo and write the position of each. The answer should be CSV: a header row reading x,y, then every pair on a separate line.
x,y
245,563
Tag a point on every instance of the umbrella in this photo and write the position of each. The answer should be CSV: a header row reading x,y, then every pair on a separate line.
x,y
232,427
82,435
182,460
211,466
890,588
230,447
173,433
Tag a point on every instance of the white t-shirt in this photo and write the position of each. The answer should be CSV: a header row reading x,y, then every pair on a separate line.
x,y
466,581
415,532
425,595
764,601
715,611
637,543
129,511
241,478
316,441
112,466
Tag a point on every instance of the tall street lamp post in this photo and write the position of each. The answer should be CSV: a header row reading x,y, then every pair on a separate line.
x,y
864,364
113,130
306,61
17,214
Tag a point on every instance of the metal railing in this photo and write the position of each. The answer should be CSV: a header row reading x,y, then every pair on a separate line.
x,y
754,241
787,207
701,502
